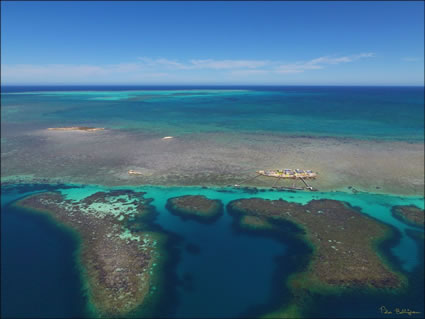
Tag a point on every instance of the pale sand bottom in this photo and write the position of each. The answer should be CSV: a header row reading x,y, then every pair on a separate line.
x,y
220,159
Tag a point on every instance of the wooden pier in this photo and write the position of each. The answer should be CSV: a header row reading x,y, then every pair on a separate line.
x,y
306,185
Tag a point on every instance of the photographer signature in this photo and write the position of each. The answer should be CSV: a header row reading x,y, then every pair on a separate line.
x,y
398,311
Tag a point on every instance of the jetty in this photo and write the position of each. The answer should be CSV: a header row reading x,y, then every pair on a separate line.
x,y
292,174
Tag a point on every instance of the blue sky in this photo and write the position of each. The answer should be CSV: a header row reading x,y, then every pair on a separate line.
x,y
280,43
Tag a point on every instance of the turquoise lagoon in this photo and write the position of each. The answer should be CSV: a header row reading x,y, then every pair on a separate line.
x,y
221,273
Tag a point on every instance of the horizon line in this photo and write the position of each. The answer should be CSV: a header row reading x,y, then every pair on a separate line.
x,y
211,84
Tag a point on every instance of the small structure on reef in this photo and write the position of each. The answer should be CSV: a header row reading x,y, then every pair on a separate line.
x,y
289,173
294,174
133,172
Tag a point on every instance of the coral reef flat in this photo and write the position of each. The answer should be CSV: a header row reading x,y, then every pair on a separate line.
x,y
409,214
195,207
211,159
118,264
344,244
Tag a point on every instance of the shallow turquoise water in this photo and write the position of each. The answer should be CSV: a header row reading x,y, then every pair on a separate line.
x,y
368,112
214,278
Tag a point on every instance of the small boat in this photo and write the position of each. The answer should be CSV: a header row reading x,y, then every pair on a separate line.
x,y
288,173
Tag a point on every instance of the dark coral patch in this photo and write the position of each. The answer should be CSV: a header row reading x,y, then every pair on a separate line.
x,y
196,207
410,214
342,238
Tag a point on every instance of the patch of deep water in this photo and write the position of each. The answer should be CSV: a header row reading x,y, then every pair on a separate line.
x,y
223,273
11,192
229,271
39,277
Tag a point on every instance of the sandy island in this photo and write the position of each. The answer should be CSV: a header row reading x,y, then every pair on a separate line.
x,y
76,128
